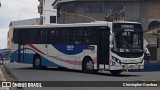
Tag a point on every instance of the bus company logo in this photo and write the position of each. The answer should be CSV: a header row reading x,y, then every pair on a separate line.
x,y
6,84
70,47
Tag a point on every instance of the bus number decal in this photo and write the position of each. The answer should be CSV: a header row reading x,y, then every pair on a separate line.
x,y
70,47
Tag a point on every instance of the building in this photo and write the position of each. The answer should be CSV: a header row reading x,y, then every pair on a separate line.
x,y
69,11
146,12
34,21
48,15
153,35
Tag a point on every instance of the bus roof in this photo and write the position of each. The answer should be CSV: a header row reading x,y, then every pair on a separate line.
x,y
62,25
96,23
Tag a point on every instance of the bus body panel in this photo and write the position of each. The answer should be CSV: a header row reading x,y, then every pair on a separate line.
x,y
53,57
128,63
71,55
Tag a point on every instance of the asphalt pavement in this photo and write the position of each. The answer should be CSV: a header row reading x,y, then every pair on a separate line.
x,y
25,72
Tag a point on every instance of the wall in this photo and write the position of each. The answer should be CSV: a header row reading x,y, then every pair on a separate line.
x,y
134,11
153,52
48,11
158,54
9,38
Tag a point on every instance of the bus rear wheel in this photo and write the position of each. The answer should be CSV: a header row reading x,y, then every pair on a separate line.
x,y
115,72
87,65
37,62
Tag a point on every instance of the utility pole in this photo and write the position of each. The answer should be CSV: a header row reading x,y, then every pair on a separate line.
x,y
0,3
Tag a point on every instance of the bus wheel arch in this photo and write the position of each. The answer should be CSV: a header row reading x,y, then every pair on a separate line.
x,y
87,64
37,63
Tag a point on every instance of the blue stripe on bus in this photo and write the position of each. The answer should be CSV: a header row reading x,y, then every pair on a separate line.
x,y
70,49
29,58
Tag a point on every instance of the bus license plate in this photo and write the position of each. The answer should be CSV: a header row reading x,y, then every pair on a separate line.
x,y
129,66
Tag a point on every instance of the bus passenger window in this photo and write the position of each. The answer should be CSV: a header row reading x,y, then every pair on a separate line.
x,y
86,39
77,42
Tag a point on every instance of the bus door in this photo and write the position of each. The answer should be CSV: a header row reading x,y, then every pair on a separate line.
x,y
103,47
21,46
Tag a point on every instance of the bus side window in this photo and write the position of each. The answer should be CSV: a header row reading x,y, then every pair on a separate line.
x,y
86,39
77,40
15,36
77,35
90,36
52,36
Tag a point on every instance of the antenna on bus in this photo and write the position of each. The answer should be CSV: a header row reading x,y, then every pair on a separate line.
x,y
19,17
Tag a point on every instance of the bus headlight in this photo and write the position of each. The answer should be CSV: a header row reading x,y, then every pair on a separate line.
x,y
117,60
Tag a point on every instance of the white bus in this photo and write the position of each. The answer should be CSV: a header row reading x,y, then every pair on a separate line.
x,y
81,46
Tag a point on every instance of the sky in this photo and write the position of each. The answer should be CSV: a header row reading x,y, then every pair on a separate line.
x,y
14,10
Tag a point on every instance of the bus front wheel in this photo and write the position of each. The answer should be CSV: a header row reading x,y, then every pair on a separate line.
x,y
37,62
115,72
87,65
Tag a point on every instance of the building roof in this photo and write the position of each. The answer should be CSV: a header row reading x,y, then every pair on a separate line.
x,y
57,2
24,22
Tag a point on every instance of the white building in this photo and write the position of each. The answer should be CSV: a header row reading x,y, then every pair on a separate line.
x,y
48,15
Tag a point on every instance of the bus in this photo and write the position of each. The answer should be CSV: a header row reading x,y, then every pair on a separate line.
x,y
90,47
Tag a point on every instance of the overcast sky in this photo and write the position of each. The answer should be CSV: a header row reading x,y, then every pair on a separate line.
x,y
13,10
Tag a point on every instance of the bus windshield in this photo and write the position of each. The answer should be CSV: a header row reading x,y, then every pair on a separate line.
x,y
128,39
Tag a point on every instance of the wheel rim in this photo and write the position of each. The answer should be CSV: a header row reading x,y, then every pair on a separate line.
x,y
37,62
89,65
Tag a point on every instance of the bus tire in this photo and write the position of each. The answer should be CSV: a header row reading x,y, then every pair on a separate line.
x,y
11,61
87,65
37,62
115,72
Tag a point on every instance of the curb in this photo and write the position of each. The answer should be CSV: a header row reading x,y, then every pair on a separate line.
x,y
2,77
9,76
7,73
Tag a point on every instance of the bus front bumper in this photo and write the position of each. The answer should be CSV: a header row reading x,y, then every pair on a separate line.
x,y
127,67
132,66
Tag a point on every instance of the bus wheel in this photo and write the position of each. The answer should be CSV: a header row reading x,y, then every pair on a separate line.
x,y
115,72
11,61
37,62
87,65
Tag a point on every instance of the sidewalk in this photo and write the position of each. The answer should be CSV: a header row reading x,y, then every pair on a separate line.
x,y
152,66
2,78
